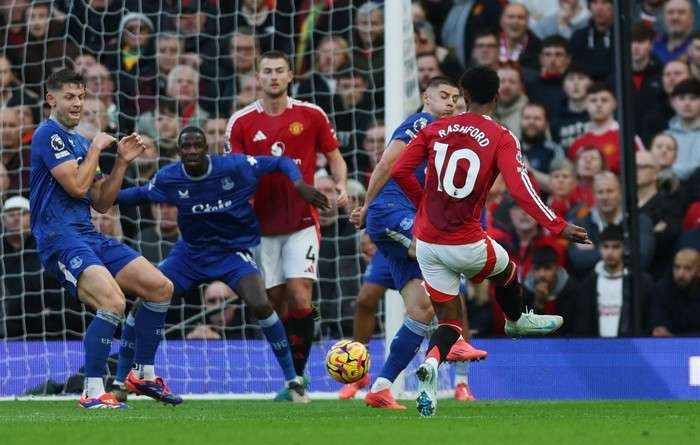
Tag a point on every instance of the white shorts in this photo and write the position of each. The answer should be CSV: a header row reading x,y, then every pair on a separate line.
x,y
295,255
443,264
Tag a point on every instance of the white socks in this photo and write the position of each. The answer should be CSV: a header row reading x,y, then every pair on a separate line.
x,y
94,387
145,372
433,362
381,384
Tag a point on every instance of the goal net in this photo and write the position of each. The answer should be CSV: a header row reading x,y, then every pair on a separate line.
x,y
154,67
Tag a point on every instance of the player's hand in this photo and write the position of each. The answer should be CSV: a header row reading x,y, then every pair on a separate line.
x,y
357,217
576,234
312,195
342,195
102,140
130,147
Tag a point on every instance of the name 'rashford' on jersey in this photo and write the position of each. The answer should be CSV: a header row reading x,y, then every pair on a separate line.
x,y
53,209
465,154
298,133
391,193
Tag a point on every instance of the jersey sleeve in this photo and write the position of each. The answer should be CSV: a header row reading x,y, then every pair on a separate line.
x,y
326,138
52,149
509,159
151,192
234,136
264,165
403,170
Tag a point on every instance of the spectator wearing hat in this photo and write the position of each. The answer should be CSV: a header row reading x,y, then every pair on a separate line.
x,y
548,288
570,120
685,126
675,305
604,309
32,301
606,211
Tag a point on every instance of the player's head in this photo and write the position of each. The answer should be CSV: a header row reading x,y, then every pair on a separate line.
x,y
66,96
192,146
274,72
480,86
440,96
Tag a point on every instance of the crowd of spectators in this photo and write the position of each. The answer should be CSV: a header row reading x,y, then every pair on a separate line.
x,y
155,67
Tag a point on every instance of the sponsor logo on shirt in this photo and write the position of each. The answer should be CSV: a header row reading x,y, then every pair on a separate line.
x,y
296,128
212,207
259,136
183,194
277,148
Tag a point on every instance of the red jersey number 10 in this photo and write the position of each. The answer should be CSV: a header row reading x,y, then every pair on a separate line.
x,y
446,184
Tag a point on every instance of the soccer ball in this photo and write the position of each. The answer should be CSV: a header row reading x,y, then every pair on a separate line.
x,y
347,361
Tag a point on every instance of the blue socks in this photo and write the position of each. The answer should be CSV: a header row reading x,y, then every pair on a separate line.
x,y
148,325
126,349
403,348
276,335
98,342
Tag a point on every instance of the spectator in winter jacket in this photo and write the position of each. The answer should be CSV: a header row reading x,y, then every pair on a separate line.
x,y
675,308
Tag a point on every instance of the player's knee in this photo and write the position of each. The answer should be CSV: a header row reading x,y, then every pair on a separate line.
x,y
162,290
366,302
421,311
262,311
113,302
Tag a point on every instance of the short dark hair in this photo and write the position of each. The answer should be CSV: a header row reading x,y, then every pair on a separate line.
x,y
191,129
348,73
599,87
544,256
273,54
640,32
441,80
480,84
539,105
695,35
63,77
574,68
485,32
556,41
686,87
166,105
612,232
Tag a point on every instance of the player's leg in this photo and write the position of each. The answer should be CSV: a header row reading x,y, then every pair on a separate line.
x,y
509,295
462,391
127,347
462,351
300,263
249,285
97,289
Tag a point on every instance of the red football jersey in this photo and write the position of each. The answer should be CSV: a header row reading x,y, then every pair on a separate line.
x,y
465,154
298,133
608,143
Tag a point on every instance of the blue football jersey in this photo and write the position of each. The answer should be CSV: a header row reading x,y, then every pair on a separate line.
x,y
52,208
214,210
391,192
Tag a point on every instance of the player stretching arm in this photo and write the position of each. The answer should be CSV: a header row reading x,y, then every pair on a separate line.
x,y
465,154
212,194
92,267
288,254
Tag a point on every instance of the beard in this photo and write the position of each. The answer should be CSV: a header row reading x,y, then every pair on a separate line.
x,y
533,138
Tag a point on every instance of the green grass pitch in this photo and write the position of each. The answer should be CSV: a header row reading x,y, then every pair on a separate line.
x,y
336,422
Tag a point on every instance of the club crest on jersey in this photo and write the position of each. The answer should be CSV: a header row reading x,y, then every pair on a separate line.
x,y
227,183
277,148
76,262
296,128
57,143
420,124
406,223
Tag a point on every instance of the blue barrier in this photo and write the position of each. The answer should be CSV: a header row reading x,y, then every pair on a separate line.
x,y
522,369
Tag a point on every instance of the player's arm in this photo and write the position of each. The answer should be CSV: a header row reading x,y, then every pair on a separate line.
x,y
339,171
510,163
264,165
76,179
103,193
151,192
380,176
403,170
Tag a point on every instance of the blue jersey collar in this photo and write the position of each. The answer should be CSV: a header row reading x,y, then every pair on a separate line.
x,y
197,178
60,125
